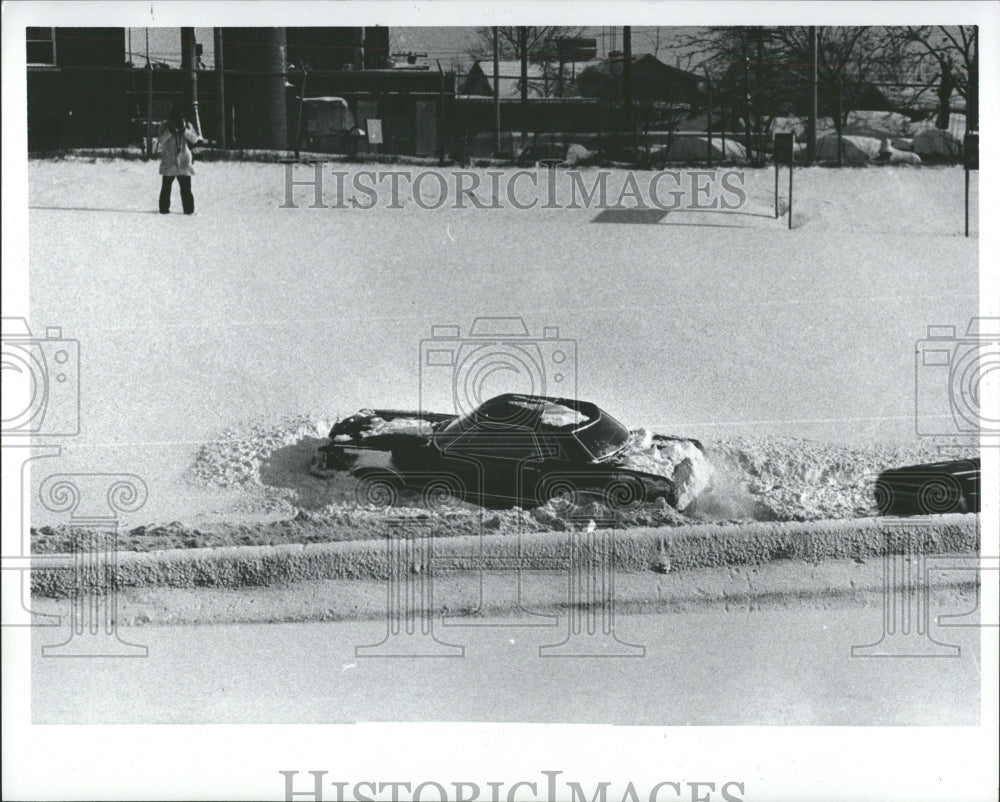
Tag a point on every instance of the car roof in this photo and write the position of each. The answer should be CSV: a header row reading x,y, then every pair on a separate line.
x,y
584,407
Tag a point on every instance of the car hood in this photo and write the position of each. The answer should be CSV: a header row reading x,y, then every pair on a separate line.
x,y
371,426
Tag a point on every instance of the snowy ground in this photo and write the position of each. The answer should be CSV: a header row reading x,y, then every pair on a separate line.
x,y
705,324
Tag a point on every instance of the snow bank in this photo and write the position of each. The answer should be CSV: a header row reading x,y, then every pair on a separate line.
x,y
935,143
695,149
268,312
761,478
367,424
680,461
855,150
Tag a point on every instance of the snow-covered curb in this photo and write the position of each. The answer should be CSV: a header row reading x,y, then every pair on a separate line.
x,y
666,549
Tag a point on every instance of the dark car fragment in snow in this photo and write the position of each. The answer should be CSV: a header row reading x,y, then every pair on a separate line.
x,y
514,449
931,489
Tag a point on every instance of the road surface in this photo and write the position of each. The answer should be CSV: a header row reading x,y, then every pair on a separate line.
x,y
779,667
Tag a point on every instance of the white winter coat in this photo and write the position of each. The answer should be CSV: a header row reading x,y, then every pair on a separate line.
x,y
176,157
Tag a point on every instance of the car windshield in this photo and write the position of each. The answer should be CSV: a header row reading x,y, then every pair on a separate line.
x,y
600,434
603,436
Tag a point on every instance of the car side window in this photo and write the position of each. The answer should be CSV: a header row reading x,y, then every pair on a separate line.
x,y
516,443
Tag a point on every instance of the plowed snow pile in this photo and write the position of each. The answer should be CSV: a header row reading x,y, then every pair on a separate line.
x,y
790,479
764,479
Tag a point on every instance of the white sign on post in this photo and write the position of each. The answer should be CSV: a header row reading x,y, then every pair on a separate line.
x,y
374,131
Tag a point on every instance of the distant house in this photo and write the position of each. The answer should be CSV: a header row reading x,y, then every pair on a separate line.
x,y
77,87
917,102
652,81
479,81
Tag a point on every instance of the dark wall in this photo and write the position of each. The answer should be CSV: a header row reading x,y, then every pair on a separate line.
x,y
90,47
256,99
550,115
326,48
83,100
377,55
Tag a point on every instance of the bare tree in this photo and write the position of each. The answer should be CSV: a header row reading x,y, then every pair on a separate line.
x,y
541,41
766,72
749,74
953,52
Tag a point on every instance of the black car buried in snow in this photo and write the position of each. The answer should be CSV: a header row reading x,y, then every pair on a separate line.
x,y
512,450
934,488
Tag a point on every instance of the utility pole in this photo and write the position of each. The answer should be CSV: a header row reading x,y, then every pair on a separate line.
x,y
149,101
972,103
708,89
813,93
522,42
220,86
274,113
189,65
496,91
746,89
627,82
840,114
440,116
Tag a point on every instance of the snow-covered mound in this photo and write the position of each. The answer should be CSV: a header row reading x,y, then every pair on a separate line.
x,y
696,149
935,143
765,478
854,150
679,460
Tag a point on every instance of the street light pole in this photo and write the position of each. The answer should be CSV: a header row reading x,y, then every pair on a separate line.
x,y
190,65
220,79
522,41
496,91
813,93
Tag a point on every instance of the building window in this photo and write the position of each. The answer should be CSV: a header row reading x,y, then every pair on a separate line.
x,y
42,46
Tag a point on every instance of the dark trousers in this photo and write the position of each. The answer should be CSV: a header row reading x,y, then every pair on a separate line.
x,y
187,199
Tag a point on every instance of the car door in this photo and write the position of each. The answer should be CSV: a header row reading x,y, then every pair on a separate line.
x,y
505,457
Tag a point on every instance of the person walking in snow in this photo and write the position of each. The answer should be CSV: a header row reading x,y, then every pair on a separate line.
x,y
176,137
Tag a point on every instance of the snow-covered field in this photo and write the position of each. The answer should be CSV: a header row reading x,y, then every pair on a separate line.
x,y
710,325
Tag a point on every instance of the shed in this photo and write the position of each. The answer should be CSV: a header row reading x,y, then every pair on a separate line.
x,y
326,122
